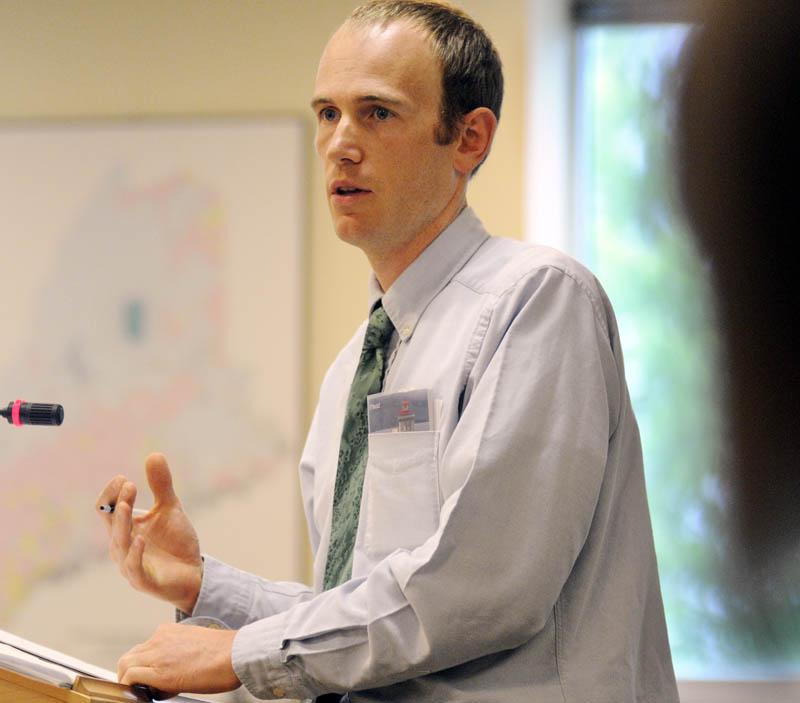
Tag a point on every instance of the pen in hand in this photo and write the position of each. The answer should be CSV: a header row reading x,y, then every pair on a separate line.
x,y
109,508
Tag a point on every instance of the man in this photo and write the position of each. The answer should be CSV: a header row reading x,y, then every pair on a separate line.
x,y
502,554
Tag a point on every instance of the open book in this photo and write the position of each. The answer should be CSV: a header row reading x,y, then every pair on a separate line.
x,y
58,669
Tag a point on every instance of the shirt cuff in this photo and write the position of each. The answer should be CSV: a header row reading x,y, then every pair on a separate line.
x,y
258,658
223,595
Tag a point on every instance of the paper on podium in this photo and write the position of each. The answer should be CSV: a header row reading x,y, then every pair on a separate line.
x,y
50,666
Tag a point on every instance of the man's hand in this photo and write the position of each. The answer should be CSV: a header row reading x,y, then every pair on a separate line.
x,y
157,553
183,659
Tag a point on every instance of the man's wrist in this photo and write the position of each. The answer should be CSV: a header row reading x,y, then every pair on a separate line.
x,y
188,603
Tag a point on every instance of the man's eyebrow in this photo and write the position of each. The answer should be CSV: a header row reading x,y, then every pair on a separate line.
x,y
380,99
371,98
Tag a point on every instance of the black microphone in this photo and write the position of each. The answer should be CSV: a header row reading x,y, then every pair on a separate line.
x,y
21,413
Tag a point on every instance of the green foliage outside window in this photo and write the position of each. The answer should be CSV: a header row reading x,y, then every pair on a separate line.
x,y
631,234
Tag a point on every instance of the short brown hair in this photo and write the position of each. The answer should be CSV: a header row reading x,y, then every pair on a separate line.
x,y
472,75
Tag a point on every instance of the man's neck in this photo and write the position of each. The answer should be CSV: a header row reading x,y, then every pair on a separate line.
x,y
388,266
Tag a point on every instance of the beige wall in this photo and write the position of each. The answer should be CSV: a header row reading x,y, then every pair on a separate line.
x,y
99,58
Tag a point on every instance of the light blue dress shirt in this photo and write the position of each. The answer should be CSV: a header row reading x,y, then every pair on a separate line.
x,y
506,555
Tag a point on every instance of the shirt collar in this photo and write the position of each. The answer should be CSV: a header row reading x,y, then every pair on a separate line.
x,y
432,270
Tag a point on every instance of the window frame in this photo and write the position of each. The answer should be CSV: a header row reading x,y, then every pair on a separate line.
x,y
588,12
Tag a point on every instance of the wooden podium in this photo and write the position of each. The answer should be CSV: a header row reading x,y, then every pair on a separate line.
x,y
18,688
32,673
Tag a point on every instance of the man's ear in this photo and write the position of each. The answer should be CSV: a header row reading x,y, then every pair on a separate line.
x,y
474,139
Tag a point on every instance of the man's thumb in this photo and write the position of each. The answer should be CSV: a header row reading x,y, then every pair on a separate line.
x,y
160,479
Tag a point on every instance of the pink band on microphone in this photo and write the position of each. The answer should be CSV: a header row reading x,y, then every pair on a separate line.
x,y
15,413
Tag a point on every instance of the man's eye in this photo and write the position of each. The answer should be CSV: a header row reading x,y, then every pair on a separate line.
x,y
328,114
381,113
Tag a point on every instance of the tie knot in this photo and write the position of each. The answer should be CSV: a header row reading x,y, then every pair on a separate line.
x,y
379,329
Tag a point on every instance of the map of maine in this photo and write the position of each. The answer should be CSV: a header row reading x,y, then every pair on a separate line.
x,y
127,332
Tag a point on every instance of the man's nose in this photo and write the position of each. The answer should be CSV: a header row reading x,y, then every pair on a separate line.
x,y
345,144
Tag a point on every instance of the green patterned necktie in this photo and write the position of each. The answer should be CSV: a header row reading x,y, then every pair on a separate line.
x,y
353,450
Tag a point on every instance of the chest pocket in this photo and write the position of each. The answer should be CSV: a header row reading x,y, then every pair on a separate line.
x,y
400,505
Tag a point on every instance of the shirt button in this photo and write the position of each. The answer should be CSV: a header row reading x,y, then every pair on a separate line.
x,y
406,331
278,692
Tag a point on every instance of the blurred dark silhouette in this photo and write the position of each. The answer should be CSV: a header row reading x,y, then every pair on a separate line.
x,y
738,160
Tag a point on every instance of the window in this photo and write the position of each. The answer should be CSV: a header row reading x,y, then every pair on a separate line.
x,y
624,223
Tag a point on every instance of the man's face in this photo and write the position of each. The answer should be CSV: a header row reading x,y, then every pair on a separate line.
x,y
377,100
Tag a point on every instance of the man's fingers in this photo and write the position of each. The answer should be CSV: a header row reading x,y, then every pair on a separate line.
x,y
144,676
133,565
136,665
121,524
110,496
124,667
127,494
136,675
142,665
160,480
